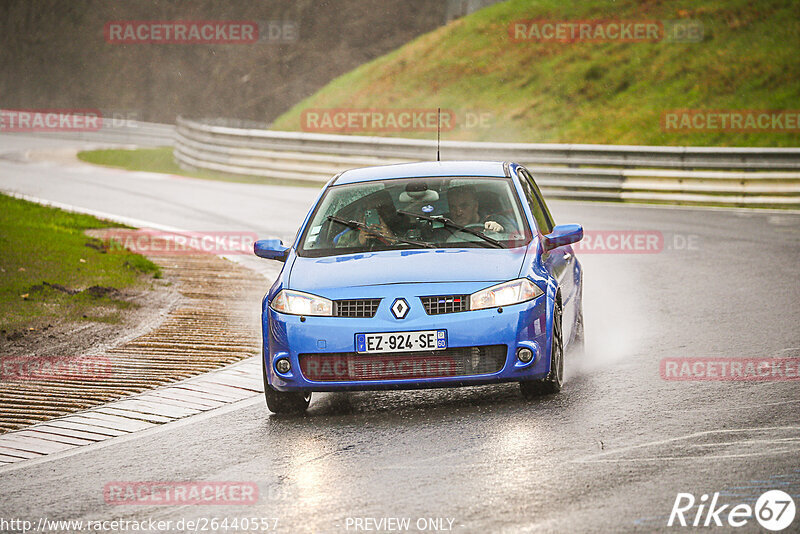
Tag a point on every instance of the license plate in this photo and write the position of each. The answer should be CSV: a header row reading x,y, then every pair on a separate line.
x,y
401,341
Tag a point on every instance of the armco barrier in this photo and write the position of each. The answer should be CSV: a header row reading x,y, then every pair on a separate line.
x,y
123,132
730,176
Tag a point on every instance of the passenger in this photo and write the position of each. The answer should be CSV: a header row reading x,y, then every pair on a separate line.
x,y
379,229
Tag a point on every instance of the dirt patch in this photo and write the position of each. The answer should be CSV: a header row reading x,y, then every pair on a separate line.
x,y
149,306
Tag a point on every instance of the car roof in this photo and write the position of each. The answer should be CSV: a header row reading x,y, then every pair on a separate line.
x,y
422,170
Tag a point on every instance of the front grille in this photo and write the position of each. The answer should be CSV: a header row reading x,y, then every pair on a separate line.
x,y
445,304
356,308
350,366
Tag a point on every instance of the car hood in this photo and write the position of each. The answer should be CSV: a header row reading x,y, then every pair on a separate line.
x,y
407,266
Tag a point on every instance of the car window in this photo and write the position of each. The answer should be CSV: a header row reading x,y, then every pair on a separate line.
x,y
544,221
416,213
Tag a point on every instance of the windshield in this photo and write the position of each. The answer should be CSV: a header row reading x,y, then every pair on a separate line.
x,y
439,212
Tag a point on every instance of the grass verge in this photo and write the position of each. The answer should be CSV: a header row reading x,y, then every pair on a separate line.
x,y
51,271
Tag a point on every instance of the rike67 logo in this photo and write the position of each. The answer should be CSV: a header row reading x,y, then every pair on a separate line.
x,y
774,510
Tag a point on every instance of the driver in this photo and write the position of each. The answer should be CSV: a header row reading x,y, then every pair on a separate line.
x,y
463,201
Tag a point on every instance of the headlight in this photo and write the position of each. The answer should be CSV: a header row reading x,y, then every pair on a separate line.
x,y
297,303
504,294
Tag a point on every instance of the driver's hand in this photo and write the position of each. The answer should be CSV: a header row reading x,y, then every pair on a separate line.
x,y
493,226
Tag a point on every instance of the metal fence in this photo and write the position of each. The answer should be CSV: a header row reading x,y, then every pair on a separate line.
x,y
123,132
729,176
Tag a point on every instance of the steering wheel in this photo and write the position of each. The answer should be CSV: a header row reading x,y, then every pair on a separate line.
x,y
481,227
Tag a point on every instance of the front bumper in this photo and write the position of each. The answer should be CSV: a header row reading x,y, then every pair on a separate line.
x,y
524,325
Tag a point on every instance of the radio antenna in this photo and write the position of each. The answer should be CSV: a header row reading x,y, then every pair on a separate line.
x,y
438,131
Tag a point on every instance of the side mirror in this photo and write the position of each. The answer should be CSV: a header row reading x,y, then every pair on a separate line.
x,y
563,234
271,249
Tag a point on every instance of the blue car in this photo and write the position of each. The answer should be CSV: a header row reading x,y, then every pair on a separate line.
x,y
422,275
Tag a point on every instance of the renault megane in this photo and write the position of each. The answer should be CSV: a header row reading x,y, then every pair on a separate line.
x,y
422,275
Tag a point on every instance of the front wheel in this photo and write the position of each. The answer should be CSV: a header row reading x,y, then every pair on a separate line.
x,y
284,402
555,378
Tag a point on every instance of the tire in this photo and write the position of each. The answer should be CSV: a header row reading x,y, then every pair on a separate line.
x,y
555,378
284,402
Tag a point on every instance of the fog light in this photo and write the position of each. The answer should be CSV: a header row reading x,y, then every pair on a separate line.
x,y
525,355
283,366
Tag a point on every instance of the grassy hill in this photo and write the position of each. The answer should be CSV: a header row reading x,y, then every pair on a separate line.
x,y
586,91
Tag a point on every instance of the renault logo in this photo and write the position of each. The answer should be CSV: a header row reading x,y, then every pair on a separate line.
x,y
400,308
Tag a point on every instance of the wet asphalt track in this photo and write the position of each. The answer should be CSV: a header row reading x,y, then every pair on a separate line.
x,y
609,454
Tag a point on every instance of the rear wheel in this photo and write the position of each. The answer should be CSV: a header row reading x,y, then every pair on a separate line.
x,y
284,402
555,378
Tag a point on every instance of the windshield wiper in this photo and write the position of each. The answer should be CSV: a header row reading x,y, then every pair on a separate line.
x,y
452,224
361,226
